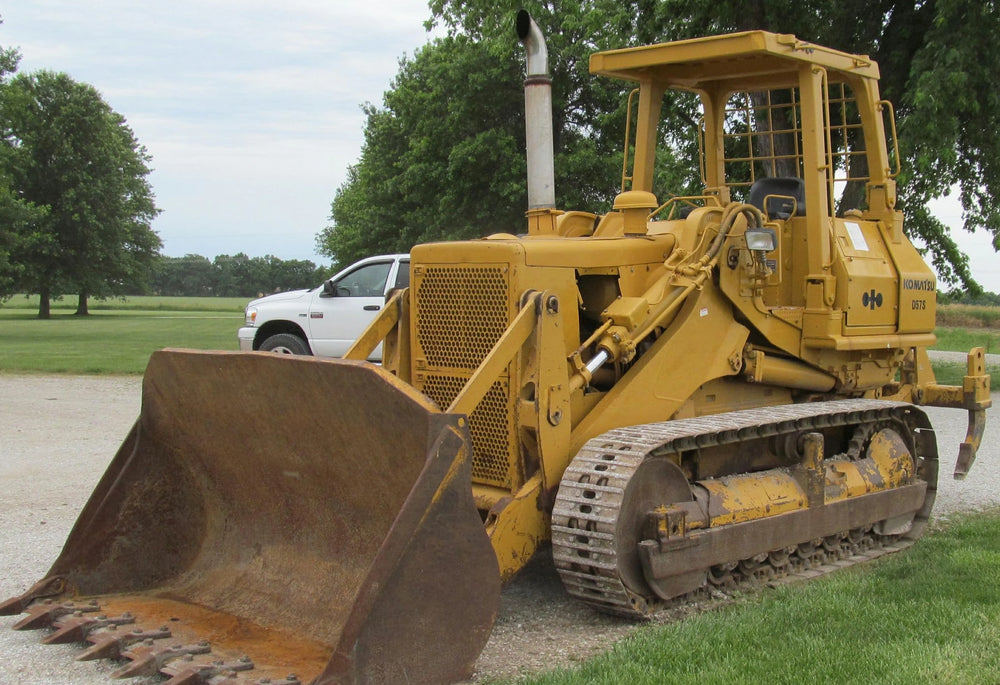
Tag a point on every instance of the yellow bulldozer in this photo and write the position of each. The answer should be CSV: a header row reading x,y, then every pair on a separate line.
x,y
677,394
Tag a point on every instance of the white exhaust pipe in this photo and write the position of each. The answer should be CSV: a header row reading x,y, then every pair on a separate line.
x,y
537,115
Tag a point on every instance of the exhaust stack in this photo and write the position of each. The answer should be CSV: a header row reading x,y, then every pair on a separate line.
x,y
538,126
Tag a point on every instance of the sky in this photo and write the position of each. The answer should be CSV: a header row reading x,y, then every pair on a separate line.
x,y
252,110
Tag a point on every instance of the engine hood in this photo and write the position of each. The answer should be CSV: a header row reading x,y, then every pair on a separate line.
x,y
279,297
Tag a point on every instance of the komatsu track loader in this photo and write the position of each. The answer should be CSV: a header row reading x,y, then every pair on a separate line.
x,y
679,393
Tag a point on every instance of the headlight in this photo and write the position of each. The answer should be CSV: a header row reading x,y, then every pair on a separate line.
x,y
251,315
763,239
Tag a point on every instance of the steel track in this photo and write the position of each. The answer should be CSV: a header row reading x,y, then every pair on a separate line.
x,y
592,492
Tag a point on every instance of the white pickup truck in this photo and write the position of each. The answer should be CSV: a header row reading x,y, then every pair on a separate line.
x,y
327,319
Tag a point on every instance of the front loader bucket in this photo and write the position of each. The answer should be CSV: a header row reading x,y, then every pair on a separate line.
x,y
313,515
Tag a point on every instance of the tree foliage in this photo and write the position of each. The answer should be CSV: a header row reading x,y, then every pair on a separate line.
x,y
443,155
434,165
16,214
80,179
231,276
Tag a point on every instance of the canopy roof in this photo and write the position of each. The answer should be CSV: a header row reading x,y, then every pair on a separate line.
x,y
731,61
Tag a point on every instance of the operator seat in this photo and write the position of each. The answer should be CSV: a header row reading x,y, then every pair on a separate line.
x,y
784,187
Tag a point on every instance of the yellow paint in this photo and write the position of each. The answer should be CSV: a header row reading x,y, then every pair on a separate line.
x,y
887,464
516,526
592,323
736,499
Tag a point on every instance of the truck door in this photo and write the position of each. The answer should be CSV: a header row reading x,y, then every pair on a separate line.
x,y
344,307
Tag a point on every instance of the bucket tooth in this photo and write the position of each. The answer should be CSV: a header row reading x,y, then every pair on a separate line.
x,y
110,643
148,658
46,613
12,606
185,671
47,587
77,627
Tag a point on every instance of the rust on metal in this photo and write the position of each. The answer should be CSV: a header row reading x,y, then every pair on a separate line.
x,y
45,588
46,613
338,541
76,628
188,671
148,657
112,643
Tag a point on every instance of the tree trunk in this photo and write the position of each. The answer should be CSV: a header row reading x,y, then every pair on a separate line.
x,y
44,304
855,193
775,129
81,307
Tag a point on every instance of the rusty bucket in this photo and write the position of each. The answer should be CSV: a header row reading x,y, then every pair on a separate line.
x,y
308,516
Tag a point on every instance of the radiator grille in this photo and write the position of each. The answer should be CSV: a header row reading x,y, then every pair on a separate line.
x,y
489,425
461,313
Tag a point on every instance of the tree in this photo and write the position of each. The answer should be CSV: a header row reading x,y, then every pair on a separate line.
x,y
189,276
71,156
292,274
937,60
237,275
443,157
433,165
16,214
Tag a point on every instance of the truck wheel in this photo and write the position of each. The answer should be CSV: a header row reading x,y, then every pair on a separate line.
x,y
285,343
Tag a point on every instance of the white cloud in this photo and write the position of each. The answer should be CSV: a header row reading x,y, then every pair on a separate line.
x,y
251,109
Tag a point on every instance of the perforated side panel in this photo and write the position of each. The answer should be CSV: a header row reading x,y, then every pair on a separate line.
x,y
461,313
489,425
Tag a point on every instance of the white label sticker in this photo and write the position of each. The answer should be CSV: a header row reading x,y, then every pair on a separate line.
x,y
704,311
857,237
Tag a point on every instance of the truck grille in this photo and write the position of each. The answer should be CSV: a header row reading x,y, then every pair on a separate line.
x,y
461,312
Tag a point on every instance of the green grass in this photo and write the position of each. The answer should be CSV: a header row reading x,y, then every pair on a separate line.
x,y
964,339
109,341
133,303
952,373
929,614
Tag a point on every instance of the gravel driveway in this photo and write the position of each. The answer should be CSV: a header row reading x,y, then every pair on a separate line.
x,y
57,435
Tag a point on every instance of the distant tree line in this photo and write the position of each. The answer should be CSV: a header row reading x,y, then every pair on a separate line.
x,y
958,296
230,276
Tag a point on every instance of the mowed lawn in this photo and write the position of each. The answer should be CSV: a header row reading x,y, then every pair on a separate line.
x,y
117,337
928,615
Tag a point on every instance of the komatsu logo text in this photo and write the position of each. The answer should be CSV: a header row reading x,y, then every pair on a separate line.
x,y
918,284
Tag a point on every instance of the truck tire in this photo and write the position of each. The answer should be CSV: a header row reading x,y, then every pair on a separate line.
x,y
285,343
